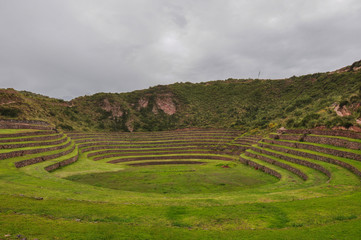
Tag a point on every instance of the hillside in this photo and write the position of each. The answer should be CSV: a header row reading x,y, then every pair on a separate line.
x,y
329,99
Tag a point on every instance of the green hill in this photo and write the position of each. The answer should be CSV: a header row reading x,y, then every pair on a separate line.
x,y
322,99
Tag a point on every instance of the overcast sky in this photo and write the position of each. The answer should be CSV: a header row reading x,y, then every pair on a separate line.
x,y
69,48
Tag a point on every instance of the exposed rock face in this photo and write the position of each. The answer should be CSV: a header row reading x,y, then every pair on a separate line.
x,y
165,103
143,102
356,66
114,109
342,111
162,102
155,110
129,125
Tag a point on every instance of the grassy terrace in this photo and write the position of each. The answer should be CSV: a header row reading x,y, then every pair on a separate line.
x,y
213,199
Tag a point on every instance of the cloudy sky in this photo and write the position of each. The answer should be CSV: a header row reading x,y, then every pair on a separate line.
x,y
69,48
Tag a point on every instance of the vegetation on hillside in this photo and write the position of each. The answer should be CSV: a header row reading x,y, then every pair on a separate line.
x,y
321,99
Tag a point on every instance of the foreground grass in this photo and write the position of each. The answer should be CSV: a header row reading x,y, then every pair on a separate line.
x,y
67,219
186,179
117,201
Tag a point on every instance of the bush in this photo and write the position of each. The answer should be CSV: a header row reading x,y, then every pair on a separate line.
x,y
65,127
10,112
290,123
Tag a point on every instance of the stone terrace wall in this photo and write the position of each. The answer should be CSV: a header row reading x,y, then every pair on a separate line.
x,y
313,156
31,161
325,150
340,133
154,153
31,139
173,157
31,151
129,146
33,144
34,122
118,151
338,142
260,167
295,160
279,164
60,164
24,134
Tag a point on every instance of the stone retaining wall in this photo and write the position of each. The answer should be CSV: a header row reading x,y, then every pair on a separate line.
x,y
23,134
24,126
154,153
60,164
32,139
165,163
31,151
124,146
294,160
260,167
172,157
138,150
151,135
340,133
325,150
33,144
338,142
313,156
35,160
279,164
110,138
15,121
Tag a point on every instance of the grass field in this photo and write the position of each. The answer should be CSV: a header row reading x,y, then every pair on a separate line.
x,y
218,199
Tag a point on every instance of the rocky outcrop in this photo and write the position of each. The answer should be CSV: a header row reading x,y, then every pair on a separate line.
x,y
342,111
143,102
166,104
114,109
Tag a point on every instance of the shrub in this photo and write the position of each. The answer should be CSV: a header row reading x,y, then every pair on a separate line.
x,y
65,127
10,112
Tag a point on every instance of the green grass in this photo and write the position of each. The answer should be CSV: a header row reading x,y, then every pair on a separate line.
x,y
117,201
189,179
11,131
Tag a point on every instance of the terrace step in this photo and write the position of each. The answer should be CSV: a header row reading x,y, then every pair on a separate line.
x,y
313,155
349,143
24,134
323,149
63,163
118,151
39,159
293,159
31,138
272,161
62,139
20,124
340,133
153,153
169,157
23,152
260,167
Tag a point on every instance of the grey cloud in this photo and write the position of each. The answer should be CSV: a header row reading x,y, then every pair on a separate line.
x,y
70,48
